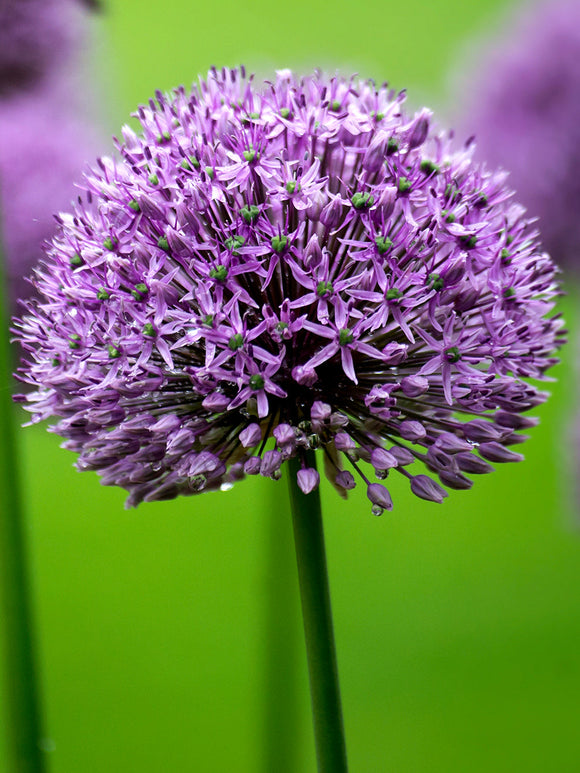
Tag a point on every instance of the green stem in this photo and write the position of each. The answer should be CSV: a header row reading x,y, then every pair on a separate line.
x,y
281,745
22,712
317,615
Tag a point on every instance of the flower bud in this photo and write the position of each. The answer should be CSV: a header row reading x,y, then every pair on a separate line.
x,y
308,479
469,462
314,210
402,455
252,465
203,463
425,487
150,208
343,442
395,353
250,436
304,376
384,205
514,421
439,460
413,386
216,402
320,412
452,444
284,434
455,480
382,459
312,253
419,129
270,463
376,152
177,243
480,431
412,430
495,452
187,218
331,214
379,495
345,479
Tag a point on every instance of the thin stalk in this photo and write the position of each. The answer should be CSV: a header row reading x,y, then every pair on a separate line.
x,y
22,711
281,745
318,631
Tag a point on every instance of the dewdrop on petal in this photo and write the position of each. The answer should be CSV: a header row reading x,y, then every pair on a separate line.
x,y
273,269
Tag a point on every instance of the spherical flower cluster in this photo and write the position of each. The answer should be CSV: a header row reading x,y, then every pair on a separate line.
x,y
267,271
522,101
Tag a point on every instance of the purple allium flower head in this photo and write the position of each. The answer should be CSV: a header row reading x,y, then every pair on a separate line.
x,y
522,102
36,36
43,148
247,282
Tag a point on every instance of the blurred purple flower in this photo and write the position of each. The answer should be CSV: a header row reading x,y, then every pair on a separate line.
x,y
522,101
44,132
36,37
43,148
299,266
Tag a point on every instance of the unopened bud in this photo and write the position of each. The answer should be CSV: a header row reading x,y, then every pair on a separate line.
x,y
312,253
380,496
419,129
250,436
345,479
308,479
426,488
376,152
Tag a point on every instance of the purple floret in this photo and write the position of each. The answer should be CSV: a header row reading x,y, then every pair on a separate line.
x,y
269,270
522,102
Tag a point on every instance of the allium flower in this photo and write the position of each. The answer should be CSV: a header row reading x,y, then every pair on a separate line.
x,y
35,37
522,101
299,266
43,148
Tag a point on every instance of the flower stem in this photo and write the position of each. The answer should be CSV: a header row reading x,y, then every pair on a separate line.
x,y
281,746
317,615
22,712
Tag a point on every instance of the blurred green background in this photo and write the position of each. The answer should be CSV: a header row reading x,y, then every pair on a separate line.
x,y
170,636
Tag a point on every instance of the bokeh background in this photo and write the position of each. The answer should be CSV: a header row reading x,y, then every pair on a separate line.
x,y
170,636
